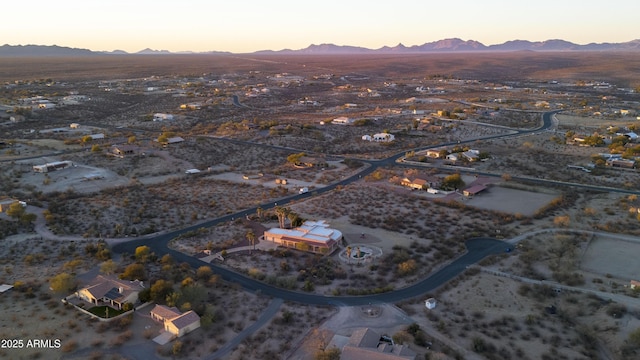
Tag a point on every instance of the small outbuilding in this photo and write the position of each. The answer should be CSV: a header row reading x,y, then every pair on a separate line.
x,y
473,190
430,303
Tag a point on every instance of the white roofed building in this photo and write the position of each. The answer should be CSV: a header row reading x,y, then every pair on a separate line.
x,y
312,236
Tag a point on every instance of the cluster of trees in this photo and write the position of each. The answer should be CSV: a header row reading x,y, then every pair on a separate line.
x,y
284,213
19,212
452,182
295,158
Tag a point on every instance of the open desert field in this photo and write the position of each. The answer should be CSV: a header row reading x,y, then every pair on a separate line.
x,y
162,143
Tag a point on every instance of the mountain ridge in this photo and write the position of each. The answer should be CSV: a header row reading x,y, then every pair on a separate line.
x,y
450,45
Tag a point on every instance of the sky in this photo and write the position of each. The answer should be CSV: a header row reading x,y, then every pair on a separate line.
x,y
243,26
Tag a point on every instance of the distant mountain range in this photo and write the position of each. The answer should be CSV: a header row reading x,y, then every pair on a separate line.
x,y
446,45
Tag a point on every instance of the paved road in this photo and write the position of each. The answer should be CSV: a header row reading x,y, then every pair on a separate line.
x,y
266,316
477,248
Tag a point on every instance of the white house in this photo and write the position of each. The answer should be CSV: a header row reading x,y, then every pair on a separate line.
x,y
471,155
162,117
53,166
366,137
383,137
342,120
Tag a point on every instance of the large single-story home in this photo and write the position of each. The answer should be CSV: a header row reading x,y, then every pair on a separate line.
x,y
53,166
343,120
416,183
122,150
111,291
312,236
174,321
383,137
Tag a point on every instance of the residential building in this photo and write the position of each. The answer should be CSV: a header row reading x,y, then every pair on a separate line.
x,y
162,117
111,291
310,161
343,120
383,137
473,190
416,184
175,322
471,155
122,150
174,140
57,165
312,236
6,203
368,344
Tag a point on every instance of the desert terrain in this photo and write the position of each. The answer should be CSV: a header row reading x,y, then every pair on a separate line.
x,y
560,290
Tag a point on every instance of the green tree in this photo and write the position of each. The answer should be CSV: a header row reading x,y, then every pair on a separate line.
x,y
28,218
452,182
204,272
133,272
173,298
195,295
108,267
176,350
634,336
282,213
160,289
142,253
131,139
252,238
72,265
167,260
16,210
295,158
63,283
96,148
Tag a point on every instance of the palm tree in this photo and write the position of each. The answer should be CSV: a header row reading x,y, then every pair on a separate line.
x,y
282,213
293,217
252,238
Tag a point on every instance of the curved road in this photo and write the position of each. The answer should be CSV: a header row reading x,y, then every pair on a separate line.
x,y
477,248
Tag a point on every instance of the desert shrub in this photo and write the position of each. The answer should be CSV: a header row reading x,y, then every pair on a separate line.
x,y
616,310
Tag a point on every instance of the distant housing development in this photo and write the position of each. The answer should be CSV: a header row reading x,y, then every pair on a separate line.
x,y
312,236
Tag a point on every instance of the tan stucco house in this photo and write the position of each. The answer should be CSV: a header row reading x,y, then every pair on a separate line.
x,y
111,291
175,322
312,236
